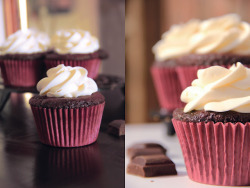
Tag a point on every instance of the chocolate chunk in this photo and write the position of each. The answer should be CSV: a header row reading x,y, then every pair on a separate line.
x,y
117,127
151,165
145,149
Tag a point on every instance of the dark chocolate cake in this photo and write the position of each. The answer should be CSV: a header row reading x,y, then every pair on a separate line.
x,y
23,56
207,116
99,54
62,102
205,60
212,59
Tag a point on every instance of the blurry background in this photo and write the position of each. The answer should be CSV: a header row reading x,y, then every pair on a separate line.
x,y
103,18
146,21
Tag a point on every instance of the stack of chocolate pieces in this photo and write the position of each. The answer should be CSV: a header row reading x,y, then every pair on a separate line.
x,y
148,160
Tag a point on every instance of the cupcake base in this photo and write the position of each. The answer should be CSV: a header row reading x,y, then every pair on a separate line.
x,y
21,73
215,153
71,127
167,87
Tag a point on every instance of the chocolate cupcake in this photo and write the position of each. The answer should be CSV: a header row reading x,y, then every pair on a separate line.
x,y
199,44
69,109
214,127
76,48
22,56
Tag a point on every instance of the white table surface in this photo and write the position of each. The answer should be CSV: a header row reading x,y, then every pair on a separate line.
x,y
156,132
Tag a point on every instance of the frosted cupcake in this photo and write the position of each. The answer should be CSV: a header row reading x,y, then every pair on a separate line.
x,y
22,56
76,48
214,127
69,109
199,44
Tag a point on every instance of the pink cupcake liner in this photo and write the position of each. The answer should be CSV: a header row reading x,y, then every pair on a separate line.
x,y
216,153
92,65
21,73
187,74
167,87
68,127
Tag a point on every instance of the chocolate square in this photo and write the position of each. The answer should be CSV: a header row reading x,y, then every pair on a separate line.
x,y
151,165
117,127
145,149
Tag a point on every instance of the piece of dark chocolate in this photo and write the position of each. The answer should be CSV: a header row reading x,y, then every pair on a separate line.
x,y
117,127
151,165
145,149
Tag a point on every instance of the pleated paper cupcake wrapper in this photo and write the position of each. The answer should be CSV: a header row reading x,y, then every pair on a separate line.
x,y
68,127
167,87
215,153
187,74
92,65
21,73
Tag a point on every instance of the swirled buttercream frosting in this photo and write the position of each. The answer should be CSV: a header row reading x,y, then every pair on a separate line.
x,y
219,89
66,81
225,34
26,42
74,41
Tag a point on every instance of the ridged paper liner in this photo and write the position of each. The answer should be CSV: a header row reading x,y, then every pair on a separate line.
x,y
187,74
21,73
216,153
68,127
64,165
92,65
167,87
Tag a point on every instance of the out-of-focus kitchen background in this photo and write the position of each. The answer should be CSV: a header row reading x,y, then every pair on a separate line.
x,y
103,18
146,21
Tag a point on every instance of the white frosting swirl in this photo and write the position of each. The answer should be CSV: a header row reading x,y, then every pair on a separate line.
x,y
219,89
74,42
26,42
225,34
66,81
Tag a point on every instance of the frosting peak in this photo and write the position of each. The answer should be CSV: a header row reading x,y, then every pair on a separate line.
x,y
66,81
74,41
219,89
26,42
225,34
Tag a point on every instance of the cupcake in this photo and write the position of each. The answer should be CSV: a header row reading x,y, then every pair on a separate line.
x,y
69,109
214,127
76,48
199,44
22,56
